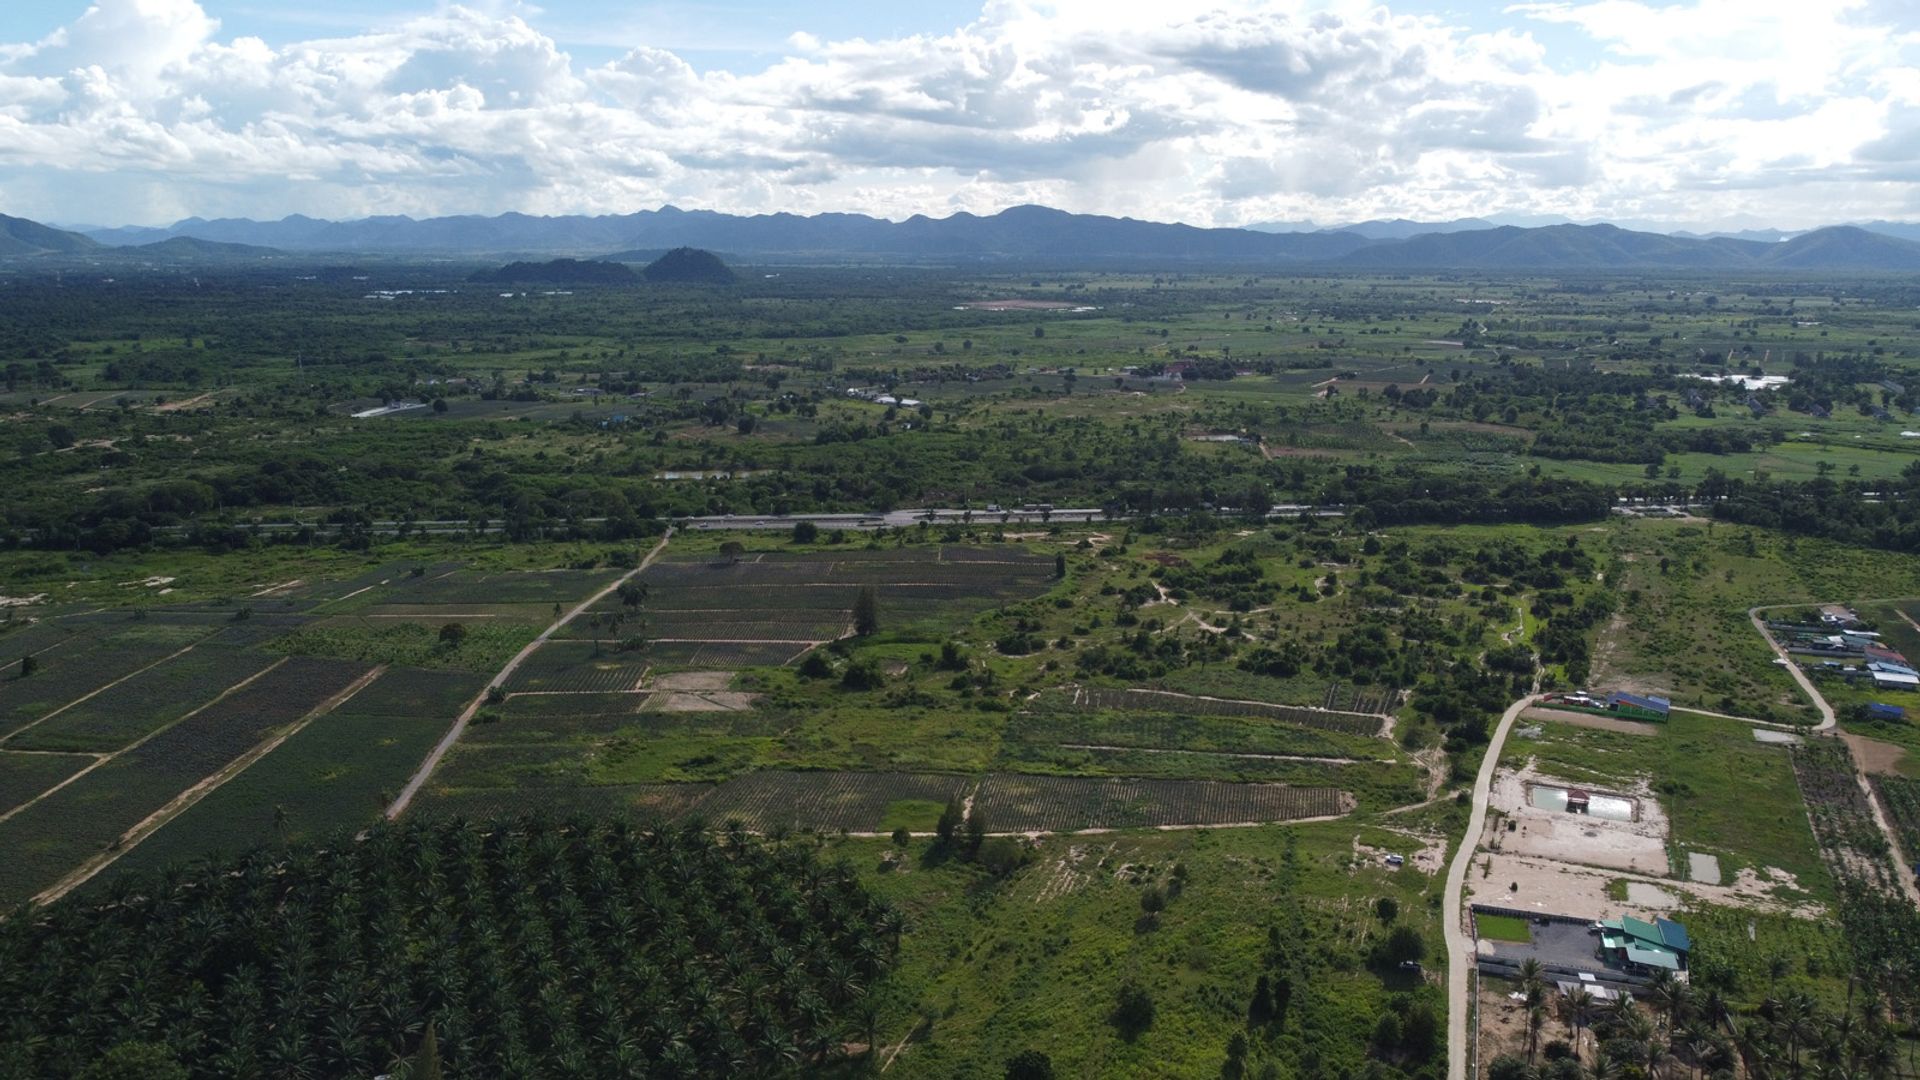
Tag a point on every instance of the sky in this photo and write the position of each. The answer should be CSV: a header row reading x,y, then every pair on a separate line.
x,y
1703,114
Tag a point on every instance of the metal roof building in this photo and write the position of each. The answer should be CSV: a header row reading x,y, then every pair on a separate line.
x,y
1646,946
1652,708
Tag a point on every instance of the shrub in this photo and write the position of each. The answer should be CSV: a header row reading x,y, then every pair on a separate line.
x,y
1133,1012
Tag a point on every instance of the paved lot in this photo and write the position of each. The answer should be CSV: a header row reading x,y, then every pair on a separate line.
x,y
1555,945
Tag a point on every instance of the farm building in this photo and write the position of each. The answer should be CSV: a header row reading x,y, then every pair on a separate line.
x,y
1638,706
1879,711
1644,947
1895,680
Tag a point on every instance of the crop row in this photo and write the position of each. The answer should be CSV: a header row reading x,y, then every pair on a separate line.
x,y
877,802
574,666
22,638
23,776
1900,796
1017,803
1850,843
336,773
525,587
824,800
427,693
642,800
1156,701
1170,731
55,835
75,669
145,702
691,626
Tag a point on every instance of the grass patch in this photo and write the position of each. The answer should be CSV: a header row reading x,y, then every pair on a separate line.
x,y
1502,928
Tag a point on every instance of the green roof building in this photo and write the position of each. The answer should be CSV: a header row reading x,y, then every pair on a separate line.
x,y
1645,947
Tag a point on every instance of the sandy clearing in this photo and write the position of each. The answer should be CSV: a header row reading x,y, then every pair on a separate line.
x,y
1589,720
694,680
1639,845
1557,888
1874,756
717,701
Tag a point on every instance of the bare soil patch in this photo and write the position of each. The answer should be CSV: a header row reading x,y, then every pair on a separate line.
x,y
1556,888
1589,720
1639,845
715,701
1018,305
695,681
1875,756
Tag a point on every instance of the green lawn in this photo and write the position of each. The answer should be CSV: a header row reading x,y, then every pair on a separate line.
x,y
1502,928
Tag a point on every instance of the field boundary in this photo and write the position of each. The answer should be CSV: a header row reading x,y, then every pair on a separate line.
x,y
440,749
186,800
91,694
149,736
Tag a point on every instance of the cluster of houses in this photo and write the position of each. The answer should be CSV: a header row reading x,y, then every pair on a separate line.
x,y
881,397
1614,702
1846,648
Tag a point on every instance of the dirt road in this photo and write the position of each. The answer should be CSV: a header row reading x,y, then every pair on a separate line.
x,y
1459,948
460,725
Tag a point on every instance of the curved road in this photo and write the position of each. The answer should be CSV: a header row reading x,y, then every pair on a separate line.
x,y
460,724
1806,684
1459,947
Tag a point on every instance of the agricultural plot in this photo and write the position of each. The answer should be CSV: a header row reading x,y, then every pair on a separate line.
x,y
144,703
1013,803
74,670
1172,730
417,692
1900,798
338,772
259,628
538,587
832,801
1097,698
24,776
1850,842
647,801
484,647
576,667
808,597
51,837
22,638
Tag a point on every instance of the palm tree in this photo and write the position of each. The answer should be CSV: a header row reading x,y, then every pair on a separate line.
x,y
1536,1019
1576,1008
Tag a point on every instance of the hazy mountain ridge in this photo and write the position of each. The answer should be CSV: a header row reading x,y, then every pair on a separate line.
x,y
1022,233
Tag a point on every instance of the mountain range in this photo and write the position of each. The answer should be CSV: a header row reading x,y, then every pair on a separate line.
x,y
1022,234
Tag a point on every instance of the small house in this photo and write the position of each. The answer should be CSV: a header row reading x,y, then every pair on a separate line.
x,y
1882,711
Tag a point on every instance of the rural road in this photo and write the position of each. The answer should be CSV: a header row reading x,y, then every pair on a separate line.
x,y
460,724
1459,948
1826,711
1900,868
849,520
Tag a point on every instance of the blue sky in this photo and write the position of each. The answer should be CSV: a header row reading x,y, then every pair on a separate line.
x,y
1685,113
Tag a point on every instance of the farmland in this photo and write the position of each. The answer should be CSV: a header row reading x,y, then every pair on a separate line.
x,y
1187,731
1900,797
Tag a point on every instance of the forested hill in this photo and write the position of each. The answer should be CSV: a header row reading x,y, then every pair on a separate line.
x,y
18,236
559,272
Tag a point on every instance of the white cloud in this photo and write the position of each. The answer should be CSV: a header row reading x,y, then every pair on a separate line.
x,y
1699,111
